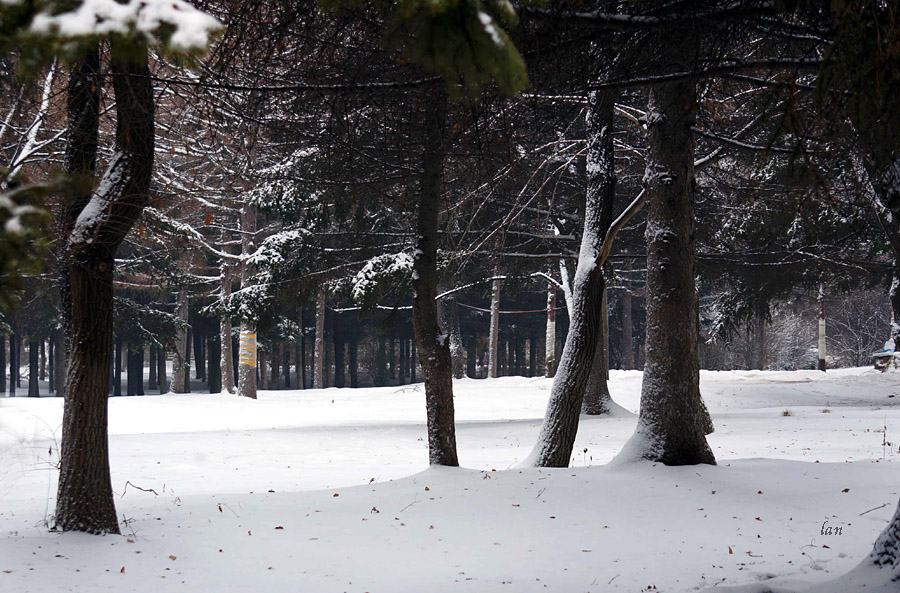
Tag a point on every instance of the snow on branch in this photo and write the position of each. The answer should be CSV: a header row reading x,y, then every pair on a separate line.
x,y
181,26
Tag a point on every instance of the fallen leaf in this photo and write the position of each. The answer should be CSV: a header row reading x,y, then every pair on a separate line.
x,y
122,570
172,557
730,551
280,527
845,490
336,495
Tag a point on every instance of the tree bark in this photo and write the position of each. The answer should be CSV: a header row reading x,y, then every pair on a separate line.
x,y
627,330
673,421
557,436
823,360
353,348
13,364
431,342
61,364
85,498
450,317
597,399
179,363
117,367
249,346
2,366
161,372
550,338
151,378
319,354
33,367
494,336
43,361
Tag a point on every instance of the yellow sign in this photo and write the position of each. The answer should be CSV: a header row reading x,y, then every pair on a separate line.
x,y
247,351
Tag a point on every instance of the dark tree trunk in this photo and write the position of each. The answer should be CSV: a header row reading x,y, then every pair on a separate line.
x,y
557,437
392,360
187,360
199,357
161,377
413,353
60,364
139,368
673,420
353,347
2,366
151,378
597,399
627,343
85,498
380,363
214,358
532,356
13,364
450,317
33,367
301,361
401,375
43,361
339,364
51,364
432,344
117,368
131,373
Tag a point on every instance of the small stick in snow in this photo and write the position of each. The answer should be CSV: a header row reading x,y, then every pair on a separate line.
x,y
415,500
875,509
128,483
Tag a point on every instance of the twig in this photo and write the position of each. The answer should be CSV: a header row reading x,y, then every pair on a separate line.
x,y
875,509
415,500
139,488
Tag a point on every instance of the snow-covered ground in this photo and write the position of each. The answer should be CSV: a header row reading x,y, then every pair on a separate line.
x,y
329,490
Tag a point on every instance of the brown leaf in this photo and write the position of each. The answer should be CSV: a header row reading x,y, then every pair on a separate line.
x,y
280,527
845,490
122,570
336,495
171,557
730,551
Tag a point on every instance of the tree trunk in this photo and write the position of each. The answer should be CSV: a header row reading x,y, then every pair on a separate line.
x,y
34,389
627,329
381,362
353,348
151,379
431,341
249,346
823,361
199,358
597,399
61,364
673,421
494,336
161,371
43,361
13,364
339,364
319,354
2,366
180,362
471,360
761,341
886,552
214,364
392,354
557,436
85,498
413,363
550,337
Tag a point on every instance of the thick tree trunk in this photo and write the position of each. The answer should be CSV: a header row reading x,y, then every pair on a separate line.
x,y
139,370
226,361
597,399
431,342
249,346
199,358
43,361
319,354
85,498
353,348
494,336
557,436
214,364
34,389
673,421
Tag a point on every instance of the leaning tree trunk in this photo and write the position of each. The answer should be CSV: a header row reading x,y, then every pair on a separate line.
x,y
431,342
85,498
319,351
597,399
179,363
673,421
557,436
248,343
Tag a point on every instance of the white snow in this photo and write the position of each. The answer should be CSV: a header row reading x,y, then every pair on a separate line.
x,y
328,490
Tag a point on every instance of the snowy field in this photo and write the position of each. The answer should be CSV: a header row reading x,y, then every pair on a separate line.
x,y
328,491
